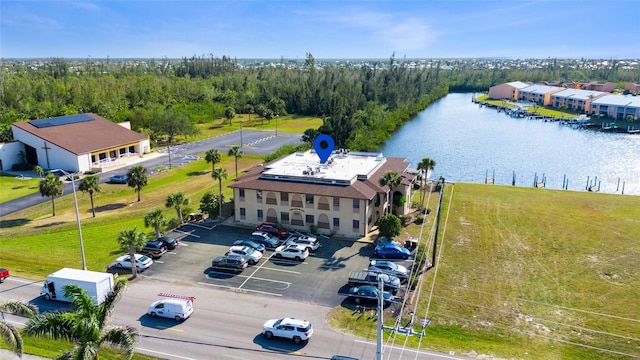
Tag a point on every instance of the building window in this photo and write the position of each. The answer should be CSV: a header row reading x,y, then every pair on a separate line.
x,y
259,194
284,196
284,217
309,199
356,204
356,224
260,214
309,219
336,222
243,213
336,203
241,193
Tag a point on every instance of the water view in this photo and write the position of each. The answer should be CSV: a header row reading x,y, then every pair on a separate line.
x,y
470,143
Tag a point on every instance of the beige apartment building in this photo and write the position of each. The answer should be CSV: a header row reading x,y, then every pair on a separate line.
x,y
340,197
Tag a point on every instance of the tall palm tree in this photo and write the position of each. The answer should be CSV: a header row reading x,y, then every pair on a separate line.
x,y
237,154
86,326
177,200
137,178
90,184
39,170
392,180
219,174
212,156
156,219
51,186
130,240
10,334
424,167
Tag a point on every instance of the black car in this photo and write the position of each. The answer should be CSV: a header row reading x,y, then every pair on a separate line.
x,y
154,249
169,242
230,262
368,293
265,239
252,244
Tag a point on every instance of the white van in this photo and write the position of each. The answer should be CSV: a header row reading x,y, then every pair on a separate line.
x,y
178,309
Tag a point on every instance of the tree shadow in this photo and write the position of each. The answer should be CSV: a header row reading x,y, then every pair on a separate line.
x,y
109,207
50,225
13,223
197,173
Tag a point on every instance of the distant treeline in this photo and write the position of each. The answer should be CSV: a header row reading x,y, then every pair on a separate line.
x,y
361,107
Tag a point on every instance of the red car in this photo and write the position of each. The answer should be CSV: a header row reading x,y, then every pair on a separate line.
x,y
274,229
4,273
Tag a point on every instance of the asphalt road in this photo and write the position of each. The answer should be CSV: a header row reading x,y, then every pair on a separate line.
x,y
253,142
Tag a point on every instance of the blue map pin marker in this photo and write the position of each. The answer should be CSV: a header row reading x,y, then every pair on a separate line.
x,y
324,146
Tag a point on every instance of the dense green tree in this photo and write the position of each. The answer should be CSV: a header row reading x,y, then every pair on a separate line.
x,y
172,123
10,334
213,156
219,174
178,201
85,326
389,225
392,180
237,154
209,204
91,185
131,240
309,136
51,186
229,113
156,219
137,178
424,167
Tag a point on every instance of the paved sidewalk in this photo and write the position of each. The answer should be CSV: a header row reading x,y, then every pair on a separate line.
x,y
8,355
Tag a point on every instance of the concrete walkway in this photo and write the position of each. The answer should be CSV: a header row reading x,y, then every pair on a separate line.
x,y
8,355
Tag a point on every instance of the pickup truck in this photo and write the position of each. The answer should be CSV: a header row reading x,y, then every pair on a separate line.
x,y
391,283
4,273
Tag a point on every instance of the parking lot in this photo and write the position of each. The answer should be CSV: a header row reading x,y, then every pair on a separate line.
x,y
320,279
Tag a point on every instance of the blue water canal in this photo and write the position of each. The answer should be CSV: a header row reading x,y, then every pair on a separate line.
x,y
468,142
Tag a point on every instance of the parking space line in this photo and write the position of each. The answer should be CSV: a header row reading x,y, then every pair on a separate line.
x,y
282,270
186,233
262,292
201,226
263,279
216,285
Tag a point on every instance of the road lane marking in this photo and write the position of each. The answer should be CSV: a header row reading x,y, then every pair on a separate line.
x,y
165,354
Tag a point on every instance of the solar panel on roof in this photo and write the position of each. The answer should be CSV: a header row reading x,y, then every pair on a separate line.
x,y
60,120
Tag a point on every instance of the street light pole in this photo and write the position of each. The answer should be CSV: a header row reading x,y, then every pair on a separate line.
x,y
75,201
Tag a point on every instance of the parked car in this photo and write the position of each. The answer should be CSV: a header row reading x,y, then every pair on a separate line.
x,y
273,229
296,252
178,309
368,293
253,256
143,262
390,283
252,244
4,273
230,262
155,249
311,242
169,242
119,179
392,251
288,328
264,239
388,267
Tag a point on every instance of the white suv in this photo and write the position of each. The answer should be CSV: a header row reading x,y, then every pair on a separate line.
x,y
296,252
253,255
288,328
311,242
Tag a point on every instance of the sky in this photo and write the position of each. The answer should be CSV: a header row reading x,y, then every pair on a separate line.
x,y
353,29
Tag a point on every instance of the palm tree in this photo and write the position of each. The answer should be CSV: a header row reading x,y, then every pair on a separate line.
x,y
90,184
391,179
51,186
10,334
177,200
212,156
156,219
86,326
219,174
39,170
424,167
237,154
137,178
130,240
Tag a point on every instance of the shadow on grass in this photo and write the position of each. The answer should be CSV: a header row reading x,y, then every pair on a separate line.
x,y
197,173
13,223
108,207
50,225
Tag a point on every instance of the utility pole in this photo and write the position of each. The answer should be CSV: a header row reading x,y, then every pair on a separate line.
x,y
380,311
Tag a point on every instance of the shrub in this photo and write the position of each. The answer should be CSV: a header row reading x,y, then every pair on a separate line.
x,y
22,167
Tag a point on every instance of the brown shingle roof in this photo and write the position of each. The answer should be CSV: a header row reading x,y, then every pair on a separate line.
x,y
366,189
85,137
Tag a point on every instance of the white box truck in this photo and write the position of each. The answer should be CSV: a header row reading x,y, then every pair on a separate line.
x,y
96,284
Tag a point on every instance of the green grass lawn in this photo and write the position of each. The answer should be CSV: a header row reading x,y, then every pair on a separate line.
x,y
527,272
14,187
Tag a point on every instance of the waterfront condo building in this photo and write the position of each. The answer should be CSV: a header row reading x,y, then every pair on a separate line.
x,y
341,197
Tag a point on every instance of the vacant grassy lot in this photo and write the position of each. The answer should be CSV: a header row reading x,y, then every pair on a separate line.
x,y
13,187
530,273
